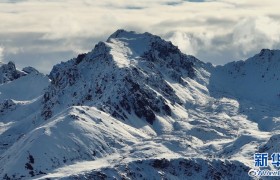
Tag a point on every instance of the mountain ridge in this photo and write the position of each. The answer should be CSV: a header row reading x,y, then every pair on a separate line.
x,y
138,100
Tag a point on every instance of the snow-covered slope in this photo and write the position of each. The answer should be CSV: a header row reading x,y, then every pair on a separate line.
x,y
20,97
135,107
21,85
25,88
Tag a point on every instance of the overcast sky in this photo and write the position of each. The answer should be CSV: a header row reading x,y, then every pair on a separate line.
x,y
41,33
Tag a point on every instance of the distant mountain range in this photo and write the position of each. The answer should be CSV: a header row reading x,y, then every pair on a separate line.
x,y
136,107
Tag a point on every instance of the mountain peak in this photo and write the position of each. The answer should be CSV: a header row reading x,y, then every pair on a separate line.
x,y
8,72
268,52
124,76
139,46
121,33
131,43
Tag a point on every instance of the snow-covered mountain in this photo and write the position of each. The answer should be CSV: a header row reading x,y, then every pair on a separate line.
x,y
19,100
8,72
256,79
135,107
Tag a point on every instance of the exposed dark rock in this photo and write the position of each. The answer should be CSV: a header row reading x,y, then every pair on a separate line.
x,y
80,57
8,72
7,105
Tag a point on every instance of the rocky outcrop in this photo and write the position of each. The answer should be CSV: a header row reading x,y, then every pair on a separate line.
x,y
8,72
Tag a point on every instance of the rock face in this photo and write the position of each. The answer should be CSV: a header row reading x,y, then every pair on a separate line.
x,y
135,107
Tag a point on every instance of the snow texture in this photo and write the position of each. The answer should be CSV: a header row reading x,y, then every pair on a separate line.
x,y
135,107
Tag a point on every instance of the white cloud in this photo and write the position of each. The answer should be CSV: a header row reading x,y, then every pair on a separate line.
x,y
186,42
217,31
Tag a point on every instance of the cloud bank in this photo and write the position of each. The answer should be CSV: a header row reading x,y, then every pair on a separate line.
x,y
43,33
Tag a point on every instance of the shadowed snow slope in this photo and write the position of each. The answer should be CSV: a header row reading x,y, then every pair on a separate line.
x,y
135,107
